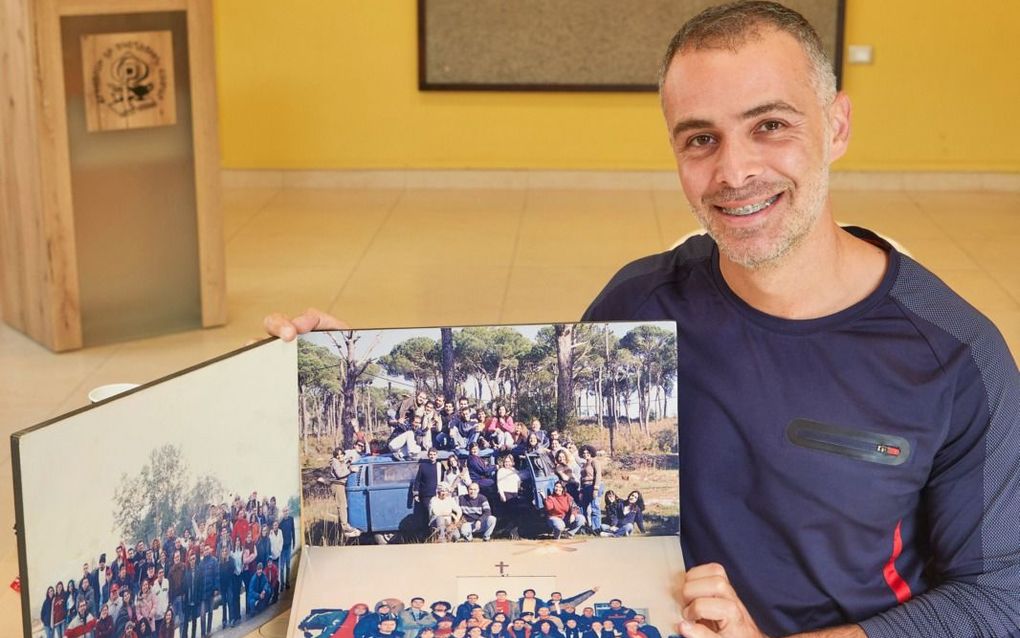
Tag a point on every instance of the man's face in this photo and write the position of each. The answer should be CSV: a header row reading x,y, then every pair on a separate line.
x,y
387,626
753,144
433,454
417,603
421,398
473,490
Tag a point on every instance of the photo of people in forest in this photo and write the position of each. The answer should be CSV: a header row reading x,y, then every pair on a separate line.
x,y
488,433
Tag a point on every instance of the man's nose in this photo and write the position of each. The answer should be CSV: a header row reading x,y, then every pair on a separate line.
x,y
739,160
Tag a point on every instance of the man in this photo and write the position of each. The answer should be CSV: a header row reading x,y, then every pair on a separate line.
x,y
82,623
209,577
463,428
386,629
795,331
476,515
276,543
426,483
177,587
161,590
528,603
558,604
617,613
520,629
587,618
441,612
340,469
469,605
502,605
412,404
416,618
444,515
289,540
259,591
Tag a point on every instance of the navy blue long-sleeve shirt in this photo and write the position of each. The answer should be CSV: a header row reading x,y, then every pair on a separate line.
x,y
862,467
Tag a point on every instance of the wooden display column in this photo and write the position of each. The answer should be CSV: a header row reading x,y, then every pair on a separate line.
x,y
110,222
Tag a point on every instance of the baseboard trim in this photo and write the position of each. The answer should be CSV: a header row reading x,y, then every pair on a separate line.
x,y
590,180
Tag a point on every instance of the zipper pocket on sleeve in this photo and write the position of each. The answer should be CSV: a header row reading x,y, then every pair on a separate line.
x,y
862,445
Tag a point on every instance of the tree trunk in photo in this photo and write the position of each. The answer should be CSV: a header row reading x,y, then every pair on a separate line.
x,y
564,374
446,361
303,418
598,398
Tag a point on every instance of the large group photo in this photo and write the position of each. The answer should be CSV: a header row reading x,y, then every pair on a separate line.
x,y
488,432
179,518
523,589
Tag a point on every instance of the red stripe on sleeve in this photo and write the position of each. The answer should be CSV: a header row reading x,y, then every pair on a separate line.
x,y
892,577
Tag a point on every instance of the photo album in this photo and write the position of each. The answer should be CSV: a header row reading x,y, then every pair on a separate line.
x,y
481,482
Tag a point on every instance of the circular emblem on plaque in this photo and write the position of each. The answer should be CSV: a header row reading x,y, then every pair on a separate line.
x,y
129,79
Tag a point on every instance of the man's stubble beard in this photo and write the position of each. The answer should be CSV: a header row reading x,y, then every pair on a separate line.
x,y
739,245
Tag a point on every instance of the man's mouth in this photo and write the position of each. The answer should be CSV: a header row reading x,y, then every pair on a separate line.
x,y
750,209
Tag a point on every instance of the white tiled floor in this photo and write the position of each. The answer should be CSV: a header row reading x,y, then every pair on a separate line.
x,y
411,257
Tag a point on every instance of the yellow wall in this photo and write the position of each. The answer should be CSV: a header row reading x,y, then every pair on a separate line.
x,y
322,84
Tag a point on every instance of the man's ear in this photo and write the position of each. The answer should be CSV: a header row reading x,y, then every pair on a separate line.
x,y
839,126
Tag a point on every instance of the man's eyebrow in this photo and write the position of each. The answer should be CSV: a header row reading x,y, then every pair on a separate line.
x,y
689,124
768,107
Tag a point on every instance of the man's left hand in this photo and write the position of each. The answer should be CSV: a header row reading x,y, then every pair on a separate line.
x,y
711,607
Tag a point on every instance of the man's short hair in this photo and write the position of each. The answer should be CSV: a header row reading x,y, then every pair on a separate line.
x,y
418,598
730,26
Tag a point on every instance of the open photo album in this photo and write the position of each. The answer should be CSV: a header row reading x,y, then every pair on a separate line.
x,y
484,481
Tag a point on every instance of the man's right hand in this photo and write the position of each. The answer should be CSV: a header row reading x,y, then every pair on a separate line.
x,y
282,326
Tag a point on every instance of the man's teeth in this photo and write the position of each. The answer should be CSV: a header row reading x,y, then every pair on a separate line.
x,y
750,208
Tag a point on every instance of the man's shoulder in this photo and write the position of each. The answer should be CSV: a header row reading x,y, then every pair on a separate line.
x,y
633,285
944,318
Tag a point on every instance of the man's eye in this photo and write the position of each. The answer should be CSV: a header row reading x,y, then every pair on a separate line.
x,y
700,140
771,125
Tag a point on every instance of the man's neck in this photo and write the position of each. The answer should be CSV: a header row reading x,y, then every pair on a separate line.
x,y
828,271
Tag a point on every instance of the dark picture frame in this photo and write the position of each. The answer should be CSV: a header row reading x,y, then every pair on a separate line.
x,y
569,45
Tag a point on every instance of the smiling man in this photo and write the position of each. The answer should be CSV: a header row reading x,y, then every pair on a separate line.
x,y
850,427
873,414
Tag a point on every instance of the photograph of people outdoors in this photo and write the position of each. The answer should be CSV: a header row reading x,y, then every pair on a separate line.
x,y
180,516
488,432
519,589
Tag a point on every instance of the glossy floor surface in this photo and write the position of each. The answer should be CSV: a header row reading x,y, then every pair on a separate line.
x,y
383,258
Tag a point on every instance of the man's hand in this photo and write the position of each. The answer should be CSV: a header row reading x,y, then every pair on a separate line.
x,y
282,326
710,606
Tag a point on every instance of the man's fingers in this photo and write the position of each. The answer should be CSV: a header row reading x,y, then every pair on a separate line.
x,y
282,326
714,587
721,611
279,325
314,319
689,629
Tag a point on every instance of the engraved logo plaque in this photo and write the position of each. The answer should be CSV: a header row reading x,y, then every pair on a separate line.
x,y
129,80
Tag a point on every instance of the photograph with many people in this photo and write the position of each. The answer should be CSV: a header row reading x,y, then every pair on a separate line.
x,y
171,512
578,588
484,433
